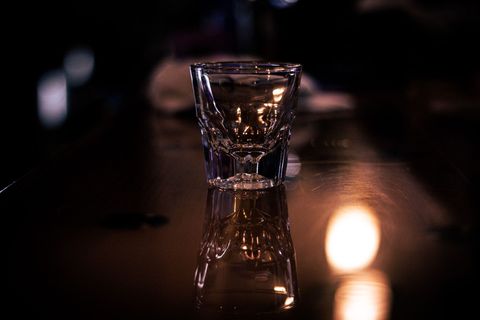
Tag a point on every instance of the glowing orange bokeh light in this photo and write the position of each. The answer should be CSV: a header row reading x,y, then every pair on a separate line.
x,y
353,238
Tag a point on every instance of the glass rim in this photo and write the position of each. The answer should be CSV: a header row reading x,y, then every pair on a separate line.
x,y
250,66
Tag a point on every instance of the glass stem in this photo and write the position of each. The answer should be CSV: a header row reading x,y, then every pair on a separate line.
x,y
248,164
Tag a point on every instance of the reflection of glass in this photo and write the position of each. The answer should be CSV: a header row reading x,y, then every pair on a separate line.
x,y
245,110
246,262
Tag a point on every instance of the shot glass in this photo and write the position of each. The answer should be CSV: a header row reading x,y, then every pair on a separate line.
x,y
245,112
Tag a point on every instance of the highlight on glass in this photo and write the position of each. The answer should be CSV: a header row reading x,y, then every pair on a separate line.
x,y
245,112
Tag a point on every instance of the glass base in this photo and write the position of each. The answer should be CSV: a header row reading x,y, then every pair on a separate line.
x,y
246,181
226,171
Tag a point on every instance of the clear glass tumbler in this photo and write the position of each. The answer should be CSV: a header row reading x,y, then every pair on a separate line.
x,y
245,111
246,262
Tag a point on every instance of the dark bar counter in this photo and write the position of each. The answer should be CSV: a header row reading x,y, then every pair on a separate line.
x,y
103,195
111,228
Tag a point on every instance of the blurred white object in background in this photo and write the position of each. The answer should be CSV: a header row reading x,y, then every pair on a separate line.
x,y
52,99
170,89
78,65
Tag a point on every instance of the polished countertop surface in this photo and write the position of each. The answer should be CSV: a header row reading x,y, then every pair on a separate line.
x,y
380,207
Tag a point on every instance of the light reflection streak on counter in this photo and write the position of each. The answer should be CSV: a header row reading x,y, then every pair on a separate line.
x,y
363,296
352,243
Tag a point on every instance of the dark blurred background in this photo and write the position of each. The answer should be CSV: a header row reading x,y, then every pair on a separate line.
x,y
72,68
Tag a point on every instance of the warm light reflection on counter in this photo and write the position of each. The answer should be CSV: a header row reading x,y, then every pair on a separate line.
x,y
363,296
353,238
